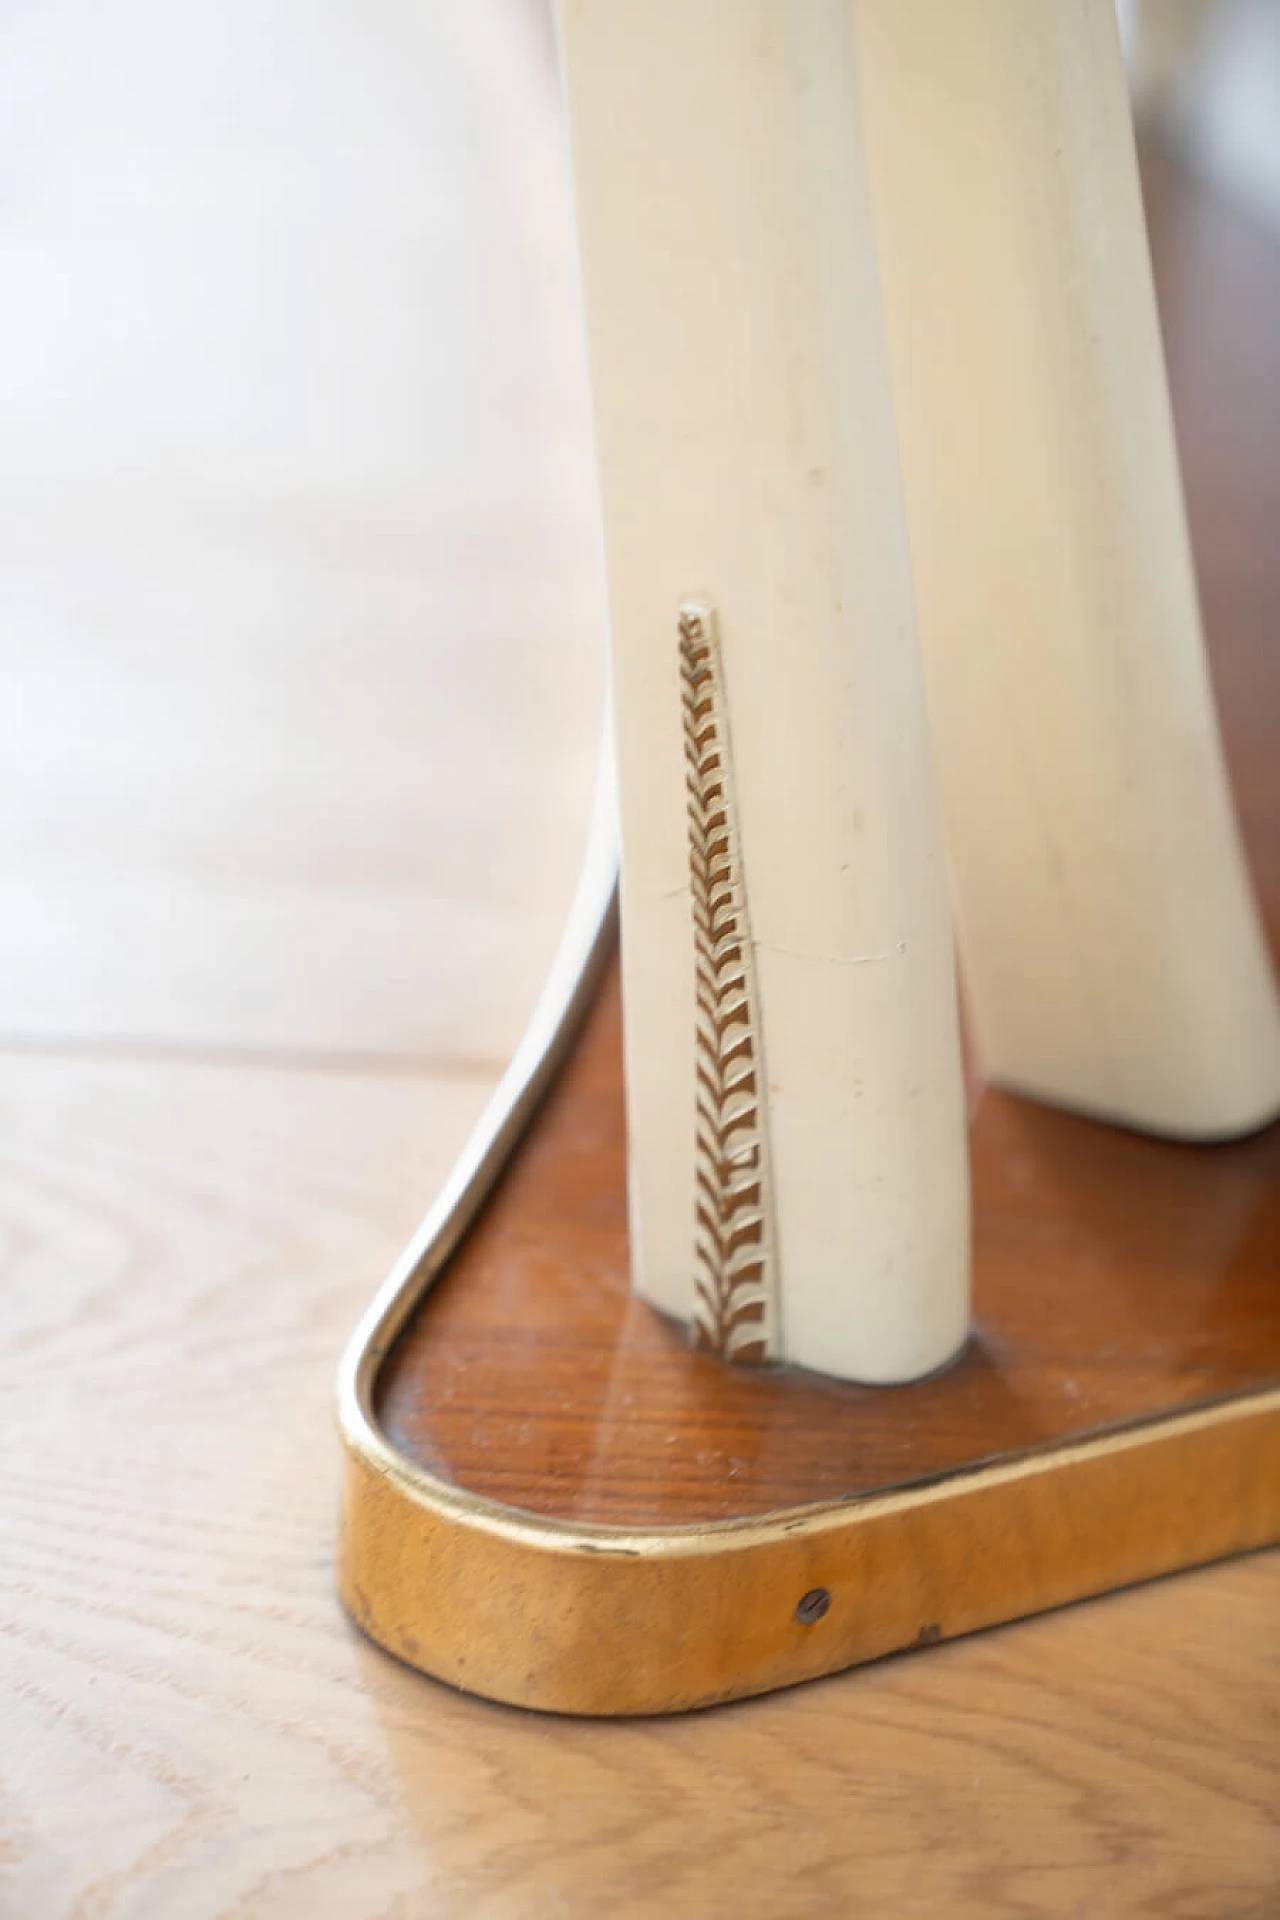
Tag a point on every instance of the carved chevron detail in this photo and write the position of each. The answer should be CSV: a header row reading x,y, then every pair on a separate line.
x,y
735,1309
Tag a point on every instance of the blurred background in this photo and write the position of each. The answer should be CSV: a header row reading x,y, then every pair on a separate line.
x,y
300,587
300,590
1205,76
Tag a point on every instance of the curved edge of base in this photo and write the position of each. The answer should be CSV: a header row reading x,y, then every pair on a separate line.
x,y
597,1621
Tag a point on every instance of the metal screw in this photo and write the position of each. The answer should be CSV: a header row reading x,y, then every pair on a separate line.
x,y
812,1606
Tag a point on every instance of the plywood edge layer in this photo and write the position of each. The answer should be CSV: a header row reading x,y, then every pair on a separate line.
x,y
593,1620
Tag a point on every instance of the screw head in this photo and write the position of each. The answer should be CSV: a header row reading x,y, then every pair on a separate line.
x,y
812,1605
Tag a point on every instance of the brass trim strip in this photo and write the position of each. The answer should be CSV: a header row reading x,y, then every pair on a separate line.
x,y
562,1006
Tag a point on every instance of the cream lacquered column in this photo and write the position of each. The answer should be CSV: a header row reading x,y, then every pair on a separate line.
x,y
1111,949
781,853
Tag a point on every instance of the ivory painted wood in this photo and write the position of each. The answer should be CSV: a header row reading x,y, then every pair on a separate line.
x,y
748,465
1112,955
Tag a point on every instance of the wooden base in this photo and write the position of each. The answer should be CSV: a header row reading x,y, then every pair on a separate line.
x,y
554,1501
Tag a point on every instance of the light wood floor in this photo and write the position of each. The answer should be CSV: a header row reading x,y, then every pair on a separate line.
x,y
300,642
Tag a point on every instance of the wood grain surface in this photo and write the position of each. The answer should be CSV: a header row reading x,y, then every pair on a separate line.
x,y
189,1729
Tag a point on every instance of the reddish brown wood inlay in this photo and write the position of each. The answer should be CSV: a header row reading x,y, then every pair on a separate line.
x,y
1116,1278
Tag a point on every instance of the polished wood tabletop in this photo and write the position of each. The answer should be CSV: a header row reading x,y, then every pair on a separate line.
x,y
294,795
1116,1279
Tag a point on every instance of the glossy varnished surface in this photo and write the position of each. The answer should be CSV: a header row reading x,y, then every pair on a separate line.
x,y
1116,1277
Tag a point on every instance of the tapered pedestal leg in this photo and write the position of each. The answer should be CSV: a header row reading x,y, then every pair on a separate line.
x,y
1110,945
797,1151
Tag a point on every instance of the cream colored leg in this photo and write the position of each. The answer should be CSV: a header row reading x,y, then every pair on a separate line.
x,y
1111,948
799,1185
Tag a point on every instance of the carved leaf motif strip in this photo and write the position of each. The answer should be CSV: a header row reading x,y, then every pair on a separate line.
x,y
735,1312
